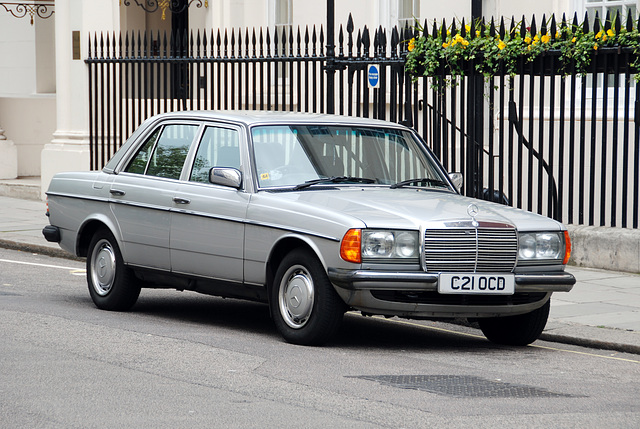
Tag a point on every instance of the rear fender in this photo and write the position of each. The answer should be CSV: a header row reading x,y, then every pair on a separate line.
x,y
88,229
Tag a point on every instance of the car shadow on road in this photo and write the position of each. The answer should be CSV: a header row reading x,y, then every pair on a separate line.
x,y
356,333
360,333
225,313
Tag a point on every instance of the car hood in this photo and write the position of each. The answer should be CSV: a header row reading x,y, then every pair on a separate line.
x,y
412,208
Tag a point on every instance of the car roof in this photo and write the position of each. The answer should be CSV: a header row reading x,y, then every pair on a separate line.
x,y
250,118
258,117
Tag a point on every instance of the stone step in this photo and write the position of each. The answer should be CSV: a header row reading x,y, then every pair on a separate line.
x,y
26,188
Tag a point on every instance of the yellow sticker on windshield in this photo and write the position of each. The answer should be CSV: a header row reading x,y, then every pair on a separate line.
x,y
264,176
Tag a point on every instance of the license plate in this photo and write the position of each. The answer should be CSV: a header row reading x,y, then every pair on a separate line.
x,y
479,284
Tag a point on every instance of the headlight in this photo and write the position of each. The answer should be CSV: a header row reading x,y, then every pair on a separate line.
x,y
543,246
379,245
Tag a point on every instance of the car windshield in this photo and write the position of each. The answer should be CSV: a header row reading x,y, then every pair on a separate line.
x,y
295,155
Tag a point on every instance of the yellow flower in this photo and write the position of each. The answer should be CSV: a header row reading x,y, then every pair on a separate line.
x,y
502,45
599,35
529,47
574,40
477,33
595,47
558,34
412,44
467,27
464,42
454,42
527,40
546,38
445,45
536,38
610,33
604,38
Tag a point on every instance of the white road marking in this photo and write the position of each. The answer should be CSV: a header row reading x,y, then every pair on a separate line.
x,y
40,265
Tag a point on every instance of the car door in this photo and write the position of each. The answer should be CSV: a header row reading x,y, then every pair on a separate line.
x,y
207,223
142,193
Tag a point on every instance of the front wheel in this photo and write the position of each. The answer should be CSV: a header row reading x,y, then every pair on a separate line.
x,y
517,330
305,307
112,285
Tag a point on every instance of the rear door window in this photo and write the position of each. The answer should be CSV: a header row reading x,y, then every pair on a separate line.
x,y
164,152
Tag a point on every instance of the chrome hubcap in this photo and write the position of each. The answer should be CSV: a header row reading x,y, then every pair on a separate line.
x,y
296,296
103,267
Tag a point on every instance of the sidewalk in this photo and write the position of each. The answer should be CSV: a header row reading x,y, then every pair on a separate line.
x,y
602,310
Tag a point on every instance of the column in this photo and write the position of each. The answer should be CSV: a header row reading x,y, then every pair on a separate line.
x,y
69,148
8,157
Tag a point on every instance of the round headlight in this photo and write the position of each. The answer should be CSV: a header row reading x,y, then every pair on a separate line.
x,y
527,246
548,246
378,243
406,246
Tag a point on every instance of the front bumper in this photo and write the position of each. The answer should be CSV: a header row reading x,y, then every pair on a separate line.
x,y
415,294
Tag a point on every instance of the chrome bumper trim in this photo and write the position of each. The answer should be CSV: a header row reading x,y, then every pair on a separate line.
x,y
388,280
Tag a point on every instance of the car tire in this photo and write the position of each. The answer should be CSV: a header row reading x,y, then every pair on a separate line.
x,y
519,330
305,307
112,285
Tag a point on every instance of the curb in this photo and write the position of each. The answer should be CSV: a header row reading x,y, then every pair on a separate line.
x,y
36,248
590,343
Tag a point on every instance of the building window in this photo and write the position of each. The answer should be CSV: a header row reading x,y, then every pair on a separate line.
x,y
284,24
408,10
284,15
621,8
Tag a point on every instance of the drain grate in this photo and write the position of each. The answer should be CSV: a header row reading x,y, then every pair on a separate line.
x,y
462,386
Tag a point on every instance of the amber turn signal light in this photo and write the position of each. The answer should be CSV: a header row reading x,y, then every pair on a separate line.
x,y
351,245
567,248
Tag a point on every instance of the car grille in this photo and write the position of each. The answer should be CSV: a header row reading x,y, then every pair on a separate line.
x,y
469,250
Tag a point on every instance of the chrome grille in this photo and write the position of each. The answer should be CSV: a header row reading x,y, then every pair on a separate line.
x,y
468,250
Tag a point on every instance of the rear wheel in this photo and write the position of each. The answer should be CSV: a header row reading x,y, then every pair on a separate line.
x,y
112,285
517,330
305,307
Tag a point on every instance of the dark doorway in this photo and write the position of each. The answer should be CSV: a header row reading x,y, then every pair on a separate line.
x,y
180,48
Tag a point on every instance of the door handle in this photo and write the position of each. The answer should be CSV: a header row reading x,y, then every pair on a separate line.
x,y
179,200
117,192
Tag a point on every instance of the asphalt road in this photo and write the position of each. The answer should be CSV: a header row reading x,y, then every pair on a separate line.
x,y
185,360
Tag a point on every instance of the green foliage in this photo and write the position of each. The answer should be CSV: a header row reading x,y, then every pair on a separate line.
x,y
449,52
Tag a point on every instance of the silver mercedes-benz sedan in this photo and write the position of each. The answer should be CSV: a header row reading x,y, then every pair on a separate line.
x,y
312,214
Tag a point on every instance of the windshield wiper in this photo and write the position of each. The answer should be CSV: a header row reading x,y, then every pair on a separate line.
x,y
336,179
420,182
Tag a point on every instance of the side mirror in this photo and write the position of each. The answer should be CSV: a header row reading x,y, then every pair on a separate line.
x,y
457,179
226,176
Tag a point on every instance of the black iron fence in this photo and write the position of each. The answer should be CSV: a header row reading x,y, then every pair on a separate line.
x,y
134,76
545,139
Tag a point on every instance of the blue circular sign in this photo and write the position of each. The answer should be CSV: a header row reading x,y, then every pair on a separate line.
x,y
373,75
